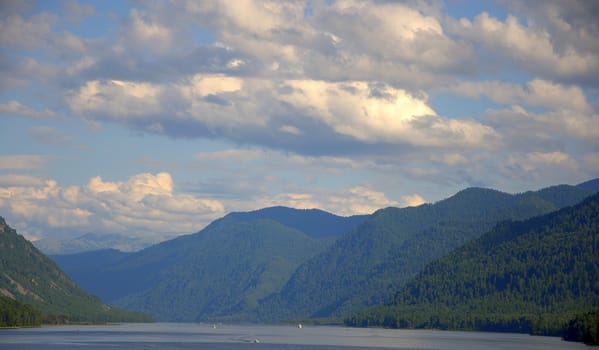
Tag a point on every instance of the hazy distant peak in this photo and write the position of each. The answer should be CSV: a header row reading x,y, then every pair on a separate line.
x,y
313,222
477,191
280,210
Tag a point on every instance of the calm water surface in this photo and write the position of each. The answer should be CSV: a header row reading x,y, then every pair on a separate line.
x,y
204,336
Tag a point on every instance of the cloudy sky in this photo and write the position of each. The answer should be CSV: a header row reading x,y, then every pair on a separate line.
x,y
156,117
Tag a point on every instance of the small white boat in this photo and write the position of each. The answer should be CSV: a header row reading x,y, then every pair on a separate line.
x,y
300,326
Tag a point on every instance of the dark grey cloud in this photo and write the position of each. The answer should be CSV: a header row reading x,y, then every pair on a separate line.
x,y
549,40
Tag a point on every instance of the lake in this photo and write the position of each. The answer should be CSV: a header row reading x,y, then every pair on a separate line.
x,y
240,337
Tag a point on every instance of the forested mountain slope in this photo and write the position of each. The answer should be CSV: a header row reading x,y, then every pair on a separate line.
x,y
525,276
30,277
224,271
364,267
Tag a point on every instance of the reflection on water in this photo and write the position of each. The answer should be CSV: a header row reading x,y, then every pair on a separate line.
x,y
207,336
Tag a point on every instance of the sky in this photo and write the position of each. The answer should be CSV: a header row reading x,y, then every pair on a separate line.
x,y
153,118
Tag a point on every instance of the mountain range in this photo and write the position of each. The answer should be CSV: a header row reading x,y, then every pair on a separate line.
x,y
322,223
91,242
280,263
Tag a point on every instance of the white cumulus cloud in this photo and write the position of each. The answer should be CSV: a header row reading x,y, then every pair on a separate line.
x,y
145,204
233,107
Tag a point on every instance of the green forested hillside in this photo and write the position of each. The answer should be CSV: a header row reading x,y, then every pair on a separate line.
x,y
526,276
364,267
32,278
224,271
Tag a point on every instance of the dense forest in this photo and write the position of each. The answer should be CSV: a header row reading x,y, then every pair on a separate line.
x,y
530,276
13,313
584,328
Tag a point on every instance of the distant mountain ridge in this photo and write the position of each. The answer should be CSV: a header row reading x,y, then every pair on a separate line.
x,y
525,276
90,242
30,277
313,222
83,266
221,271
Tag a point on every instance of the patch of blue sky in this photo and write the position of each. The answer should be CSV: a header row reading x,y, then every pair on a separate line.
x,y
87,153
451,105
13,95
327,179
132,152
471,8
94,26
12,132
97,24
490,69
308,12
50,6
202,36
592,96
22,54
